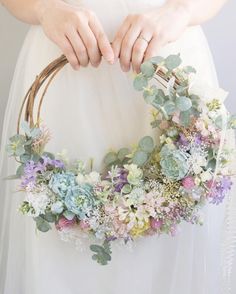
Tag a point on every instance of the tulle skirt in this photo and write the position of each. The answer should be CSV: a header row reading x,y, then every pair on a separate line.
x,y
88,112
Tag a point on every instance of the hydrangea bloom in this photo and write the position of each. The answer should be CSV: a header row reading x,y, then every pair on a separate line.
x,y
62,183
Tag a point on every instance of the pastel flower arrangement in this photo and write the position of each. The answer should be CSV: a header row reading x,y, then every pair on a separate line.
x,y
145,190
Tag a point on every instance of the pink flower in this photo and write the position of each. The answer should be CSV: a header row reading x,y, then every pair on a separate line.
x,y
84,225
164,125
188,182
64,223
155,223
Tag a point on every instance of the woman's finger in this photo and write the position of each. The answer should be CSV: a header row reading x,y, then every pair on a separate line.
x,y
68,50
78,46
102,40
153,48
139,49
116,44
127,46
90,43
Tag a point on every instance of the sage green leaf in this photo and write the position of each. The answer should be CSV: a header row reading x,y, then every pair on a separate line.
x,y
157,60
146,144
25,157
169,107
42,225
110,158
140,157
26,128
49,217
185,118
122,153
212,164
172,61
219,121
126,189
232,122
147,69
20,170
102,253
189,69
183,103
35,133
140,82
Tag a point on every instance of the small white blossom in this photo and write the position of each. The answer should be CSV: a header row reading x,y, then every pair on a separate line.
x,y
38,201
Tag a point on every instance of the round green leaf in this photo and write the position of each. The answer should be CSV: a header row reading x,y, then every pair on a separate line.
x,y
146,144
110,158
172,61
169,107
147,69
140,81
183,103
122,153
140,157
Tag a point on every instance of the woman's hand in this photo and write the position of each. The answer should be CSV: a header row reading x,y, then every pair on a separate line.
x,y
77,31
141,36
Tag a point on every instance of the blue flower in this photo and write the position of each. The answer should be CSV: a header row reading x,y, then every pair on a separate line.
x,y
81,200
174,163
61,183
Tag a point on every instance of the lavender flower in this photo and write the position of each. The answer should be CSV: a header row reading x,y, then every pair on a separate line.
x,y
219,190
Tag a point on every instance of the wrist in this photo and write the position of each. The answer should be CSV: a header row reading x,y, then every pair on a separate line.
x,y
42,6
181,8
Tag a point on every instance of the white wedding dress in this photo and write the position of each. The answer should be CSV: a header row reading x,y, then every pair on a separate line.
x,y
87,112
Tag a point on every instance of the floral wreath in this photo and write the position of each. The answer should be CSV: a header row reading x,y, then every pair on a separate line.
x,y
145,190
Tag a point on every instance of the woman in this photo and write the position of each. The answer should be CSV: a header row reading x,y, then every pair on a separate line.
x,y
90,110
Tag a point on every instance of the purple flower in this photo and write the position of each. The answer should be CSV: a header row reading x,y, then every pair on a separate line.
x,y
31,170
121,180
53,162
198,139
182,140
219,190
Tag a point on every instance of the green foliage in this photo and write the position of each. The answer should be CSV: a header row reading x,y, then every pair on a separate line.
x,y
183,103
157,60
140,157
41,224
147,69
140,82
110,158
169,107
102,253
146,144
172,61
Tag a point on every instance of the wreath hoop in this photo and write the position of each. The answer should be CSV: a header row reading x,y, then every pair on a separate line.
x,y
145,190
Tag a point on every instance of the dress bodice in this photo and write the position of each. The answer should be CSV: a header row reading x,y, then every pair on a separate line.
x,y
111,13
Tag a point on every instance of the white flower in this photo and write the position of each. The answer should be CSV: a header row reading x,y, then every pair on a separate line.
x,y
38,201
91,178
206,176
205,91
57,207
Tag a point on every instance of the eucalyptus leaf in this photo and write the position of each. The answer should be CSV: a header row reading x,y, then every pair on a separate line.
x,y
146,144
20,170
185,118
189,69
42,225
110,158
157,60
122,153
169,107
147,69
140,82
183,103
172,61
68,215
49,217
140,157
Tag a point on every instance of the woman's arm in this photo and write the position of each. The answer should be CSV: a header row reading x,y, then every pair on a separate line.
x,y
199,10
76,30
141,36
25,10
